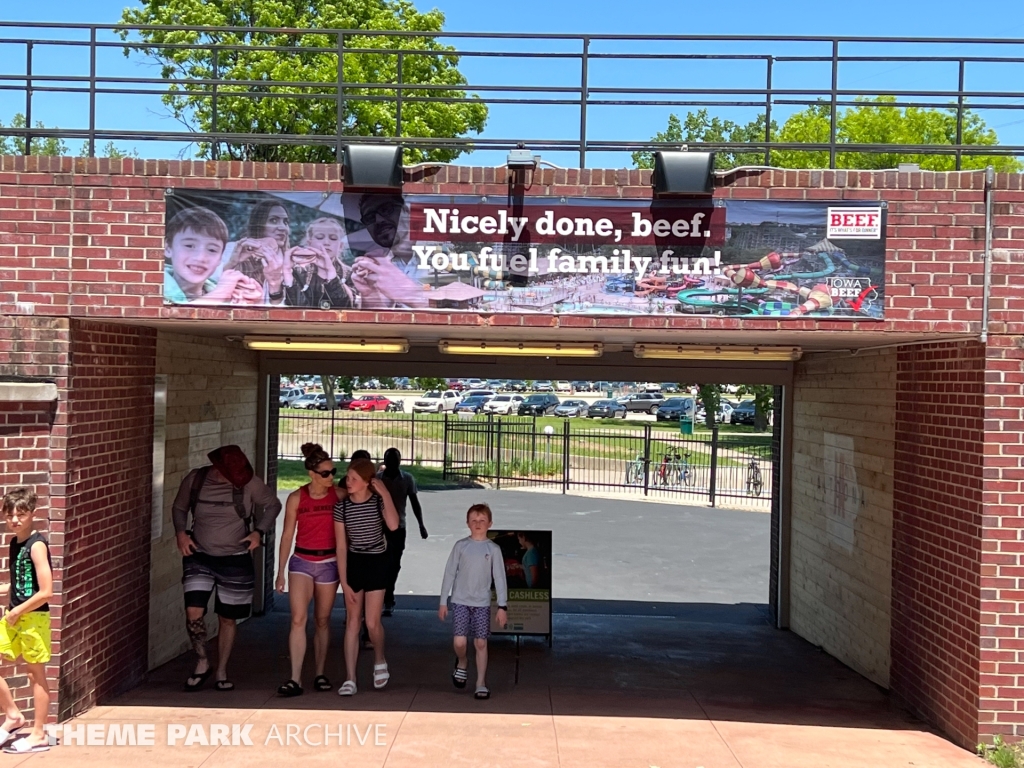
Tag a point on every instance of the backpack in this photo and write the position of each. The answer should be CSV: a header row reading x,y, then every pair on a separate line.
x,y
237,496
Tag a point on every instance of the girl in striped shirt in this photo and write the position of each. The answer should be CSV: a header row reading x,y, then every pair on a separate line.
x,y
364,564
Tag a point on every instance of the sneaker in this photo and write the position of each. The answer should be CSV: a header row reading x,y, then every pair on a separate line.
x,y
388,611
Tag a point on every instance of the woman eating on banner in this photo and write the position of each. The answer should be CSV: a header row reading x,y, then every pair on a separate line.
x,y
301,276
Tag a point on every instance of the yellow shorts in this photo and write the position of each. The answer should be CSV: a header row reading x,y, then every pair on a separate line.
x,y
29,638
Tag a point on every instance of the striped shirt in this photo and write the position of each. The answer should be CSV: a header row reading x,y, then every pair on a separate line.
x,y
364,524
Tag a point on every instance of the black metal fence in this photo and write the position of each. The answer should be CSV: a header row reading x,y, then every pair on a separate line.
x,y
590,75
636,458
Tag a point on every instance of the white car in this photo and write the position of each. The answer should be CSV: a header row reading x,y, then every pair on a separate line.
x,y
506,405
563,386
436,401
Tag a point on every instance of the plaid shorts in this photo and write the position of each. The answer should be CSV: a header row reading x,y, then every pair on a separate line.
x,y
471,621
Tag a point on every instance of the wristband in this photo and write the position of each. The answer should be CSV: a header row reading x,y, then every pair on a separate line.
x,y
277,296
502,607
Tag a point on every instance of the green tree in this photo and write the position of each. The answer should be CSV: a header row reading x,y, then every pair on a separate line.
x,y
700,128
763,395
110,150
872,121
50,146
248,59
711,397
427,383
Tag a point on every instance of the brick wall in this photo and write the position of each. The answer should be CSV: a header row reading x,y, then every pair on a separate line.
x,y
33,441
841,553
211,401
83,237
107,525
937,529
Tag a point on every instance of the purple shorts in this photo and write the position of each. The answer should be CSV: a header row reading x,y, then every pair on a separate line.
x,y
471,621
321,572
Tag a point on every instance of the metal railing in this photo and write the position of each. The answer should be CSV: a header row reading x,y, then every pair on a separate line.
x,y
591,86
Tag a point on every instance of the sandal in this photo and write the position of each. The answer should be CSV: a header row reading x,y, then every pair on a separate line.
x,y
348,688
380,675
482,692
289,689
321,683
23,747
199,679
225,685
460,676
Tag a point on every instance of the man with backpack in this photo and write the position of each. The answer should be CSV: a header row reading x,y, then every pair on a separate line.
x,y
231,510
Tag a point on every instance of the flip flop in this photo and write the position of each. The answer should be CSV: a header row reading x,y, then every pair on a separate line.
x,y
288,689
321,683
200,680
224,685
482,692
23,747
348,688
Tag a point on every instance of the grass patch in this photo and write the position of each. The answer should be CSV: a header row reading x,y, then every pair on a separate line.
x,y
291,475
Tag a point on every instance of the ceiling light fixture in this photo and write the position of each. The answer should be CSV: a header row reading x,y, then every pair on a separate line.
x,y
325,344
724,352
521,349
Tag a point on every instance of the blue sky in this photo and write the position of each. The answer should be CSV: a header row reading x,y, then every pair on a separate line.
x,y
911,18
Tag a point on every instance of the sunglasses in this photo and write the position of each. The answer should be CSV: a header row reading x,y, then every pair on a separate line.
x,y
325,473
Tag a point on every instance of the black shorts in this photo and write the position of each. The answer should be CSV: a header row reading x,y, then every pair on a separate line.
x,y
368,572
233,576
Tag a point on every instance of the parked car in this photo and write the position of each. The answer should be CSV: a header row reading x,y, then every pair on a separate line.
x,y
496,384
744,413
538,405
474,404
651,386
475,384
572,408
563,386
724,415
582,386
543,386
344,400
478,393
506,405
436,401
602,386
606,409
309,402
669,387
369,403
643,402
456,384
517,385
290,395
674,407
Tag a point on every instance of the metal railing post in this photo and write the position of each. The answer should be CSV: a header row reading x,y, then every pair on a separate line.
x,y
647,457
497,461
28,98
444,449
412,435
213,103
398,99
960,114
565,456
339,99
332,431
584,87
92,92
768,112
713,482
833,109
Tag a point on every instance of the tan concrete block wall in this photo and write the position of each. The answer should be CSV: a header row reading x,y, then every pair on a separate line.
x,y
211,400
841,559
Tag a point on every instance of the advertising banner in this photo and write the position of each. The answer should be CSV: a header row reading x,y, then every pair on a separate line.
x,y
527,556
743,258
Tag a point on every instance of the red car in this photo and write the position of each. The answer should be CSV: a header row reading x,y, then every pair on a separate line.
x,y
369,403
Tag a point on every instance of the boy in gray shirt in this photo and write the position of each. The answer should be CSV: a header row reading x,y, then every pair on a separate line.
x,y
474,562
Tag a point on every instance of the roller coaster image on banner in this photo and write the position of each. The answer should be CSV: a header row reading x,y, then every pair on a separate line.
x,y
743,258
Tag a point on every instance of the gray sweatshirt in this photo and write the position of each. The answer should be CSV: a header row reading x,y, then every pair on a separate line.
x,y
217,528
471,567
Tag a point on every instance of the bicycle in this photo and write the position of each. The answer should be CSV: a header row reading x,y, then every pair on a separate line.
x,y
675,470
635,471
754,482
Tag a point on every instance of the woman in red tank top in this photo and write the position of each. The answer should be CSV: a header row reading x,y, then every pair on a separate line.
x,y
313,568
